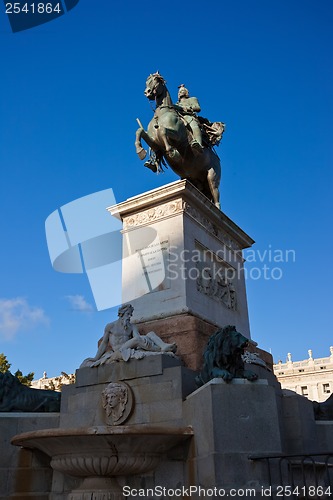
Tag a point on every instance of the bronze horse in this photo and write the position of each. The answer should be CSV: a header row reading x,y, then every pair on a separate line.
x,y
169,139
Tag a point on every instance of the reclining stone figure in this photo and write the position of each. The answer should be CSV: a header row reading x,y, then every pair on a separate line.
x,y
122,341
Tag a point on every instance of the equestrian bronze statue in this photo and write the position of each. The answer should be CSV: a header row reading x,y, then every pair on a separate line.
x,y
177,136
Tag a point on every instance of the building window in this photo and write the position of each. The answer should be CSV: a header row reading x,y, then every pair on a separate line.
x,y
301,370
323,367
326,389
304,390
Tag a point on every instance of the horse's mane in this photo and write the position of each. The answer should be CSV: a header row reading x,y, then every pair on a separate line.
x,y
158,77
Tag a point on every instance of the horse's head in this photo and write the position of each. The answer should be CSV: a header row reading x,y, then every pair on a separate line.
x,y
155,85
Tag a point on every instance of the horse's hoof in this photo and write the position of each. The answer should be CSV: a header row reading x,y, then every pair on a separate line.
x,y
142,153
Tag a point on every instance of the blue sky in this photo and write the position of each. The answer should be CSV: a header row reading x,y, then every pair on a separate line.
x,y
71,90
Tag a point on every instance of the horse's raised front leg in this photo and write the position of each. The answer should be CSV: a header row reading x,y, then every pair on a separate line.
x,y
142,153
142,134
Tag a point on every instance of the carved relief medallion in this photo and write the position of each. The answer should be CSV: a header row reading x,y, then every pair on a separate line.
x,y
117,401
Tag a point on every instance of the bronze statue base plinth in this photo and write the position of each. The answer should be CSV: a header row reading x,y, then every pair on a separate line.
x,y
191,335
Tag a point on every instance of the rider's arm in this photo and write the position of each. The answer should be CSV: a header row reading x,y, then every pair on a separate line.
x,y
190,107
179,108
194,105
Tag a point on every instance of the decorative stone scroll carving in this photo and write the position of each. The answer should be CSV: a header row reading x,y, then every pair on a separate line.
x,y
253,358
216,285
195,214
174,207
210,227
117,401
153,214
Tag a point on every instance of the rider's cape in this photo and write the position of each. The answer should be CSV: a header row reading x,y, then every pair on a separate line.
x,y
211,131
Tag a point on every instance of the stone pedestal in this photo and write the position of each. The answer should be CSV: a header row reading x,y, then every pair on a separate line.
x,y
188,331
230,422
24,474
143,424
182,258
174,436
158,384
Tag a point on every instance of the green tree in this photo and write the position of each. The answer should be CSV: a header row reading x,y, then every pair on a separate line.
x,y
24,379
5,366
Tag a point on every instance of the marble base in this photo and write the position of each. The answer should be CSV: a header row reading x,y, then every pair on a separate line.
x,y
181,255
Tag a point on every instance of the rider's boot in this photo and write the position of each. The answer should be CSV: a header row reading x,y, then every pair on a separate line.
x,y
152,166
173,154
197,147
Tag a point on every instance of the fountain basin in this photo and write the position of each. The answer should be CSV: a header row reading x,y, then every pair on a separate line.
x,y
104,451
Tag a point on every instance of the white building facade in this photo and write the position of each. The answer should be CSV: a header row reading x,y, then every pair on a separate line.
x,y
312,378
53,383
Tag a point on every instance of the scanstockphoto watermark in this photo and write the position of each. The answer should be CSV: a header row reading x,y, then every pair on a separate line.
x,y
278,491
188,492
226,264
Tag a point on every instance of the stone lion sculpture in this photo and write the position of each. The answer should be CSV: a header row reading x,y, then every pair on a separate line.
x,y
15,396
223,357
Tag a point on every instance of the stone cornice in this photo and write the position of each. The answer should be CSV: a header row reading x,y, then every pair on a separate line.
x,y
173,199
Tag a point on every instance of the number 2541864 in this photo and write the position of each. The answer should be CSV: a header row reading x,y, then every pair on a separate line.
x,y
33,8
